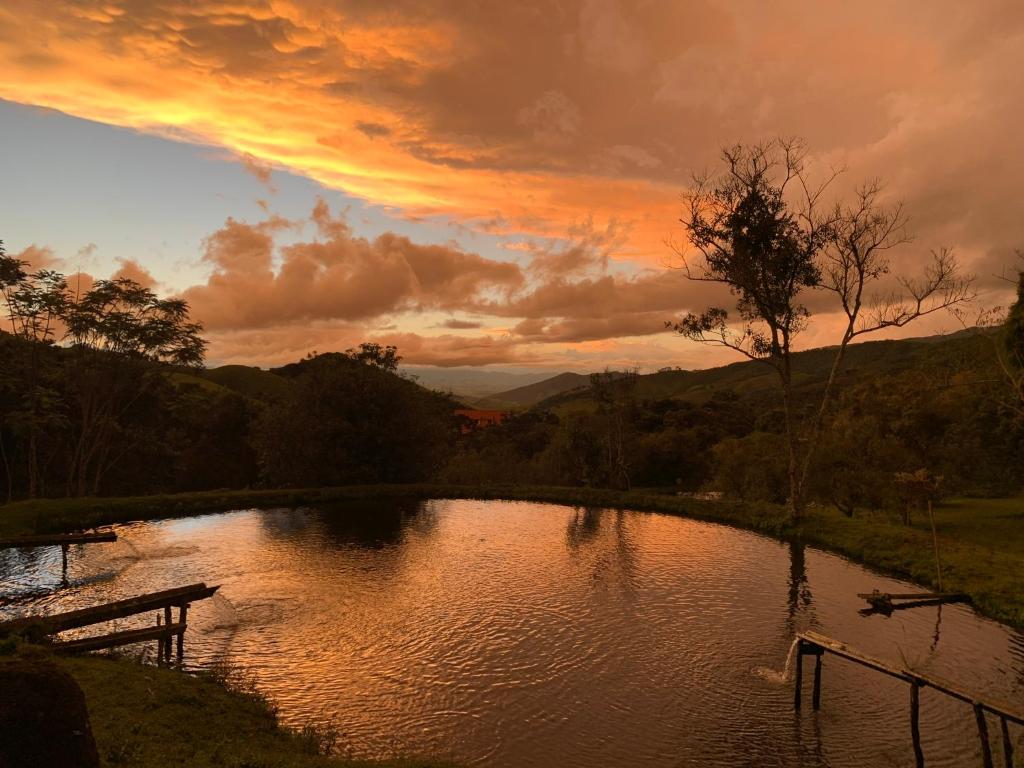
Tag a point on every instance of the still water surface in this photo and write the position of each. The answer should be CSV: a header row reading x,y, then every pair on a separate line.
x,y
521,634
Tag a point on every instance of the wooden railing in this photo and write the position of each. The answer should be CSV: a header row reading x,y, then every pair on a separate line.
x,y
163,633
62,540
817,645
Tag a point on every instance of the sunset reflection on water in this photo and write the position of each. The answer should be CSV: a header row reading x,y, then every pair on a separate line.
x,y
512,633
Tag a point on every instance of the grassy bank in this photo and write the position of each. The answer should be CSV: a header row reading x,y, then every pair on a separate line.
x,y
981,540
148,717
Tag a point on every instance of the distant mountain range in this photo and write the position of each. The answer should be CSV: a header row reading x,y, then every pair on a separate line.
x,y
473,383
567,391
531,394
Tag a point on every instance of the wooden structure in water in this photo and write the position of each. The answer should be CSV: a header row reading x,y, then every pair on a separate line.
x,y
887,602
164,632
817,645
63,540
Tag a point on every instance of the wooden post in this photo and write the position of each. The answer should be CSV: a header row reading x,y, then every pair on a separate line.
x,y
182,615
915,724
64,562
159,646
1007,744
986,749
816,698
799,674
167,643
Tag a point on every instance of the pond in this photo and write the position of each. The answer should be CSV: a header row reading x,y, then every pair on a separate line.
x,y
523,634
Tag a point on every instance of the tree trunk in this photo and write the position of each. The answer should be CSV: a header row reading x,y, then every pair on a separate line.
x,y
7,468
796,490
33,462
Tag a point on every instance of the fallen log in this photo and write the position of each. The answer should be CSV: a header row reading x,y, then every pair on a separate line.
x,y
887,601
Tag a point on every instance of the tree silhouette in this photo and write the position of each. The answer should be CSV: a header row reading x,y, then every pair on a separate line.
x,y
761,229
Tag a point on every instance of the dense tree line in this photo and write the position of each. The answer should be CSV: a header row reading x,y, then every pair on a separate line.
x,y
349,418
102,392
945,416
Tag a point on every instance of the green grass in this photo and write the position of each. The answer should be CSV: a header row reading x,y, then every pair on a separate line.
x,y
149,717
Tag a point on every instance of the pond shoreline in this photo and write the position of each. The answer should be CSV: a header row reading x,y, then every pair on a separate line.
x,y
993,577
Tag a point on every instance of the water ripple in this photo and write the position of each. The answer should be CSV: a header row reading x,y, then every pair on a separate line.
x,y
519,634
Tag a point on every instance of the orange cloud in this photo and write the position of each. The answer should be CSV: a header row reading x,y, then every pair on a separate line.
x,y
520,117
338,277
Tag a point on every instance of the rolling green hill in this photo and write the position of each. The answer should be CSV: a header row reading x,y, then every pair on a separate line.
x,y
811,368
249,381
531,394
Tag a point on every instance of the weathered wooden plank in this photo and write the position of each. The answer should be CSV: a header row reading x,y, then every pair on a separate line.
x,y
839,649
83,617
163,633
914,595
957,691
57,539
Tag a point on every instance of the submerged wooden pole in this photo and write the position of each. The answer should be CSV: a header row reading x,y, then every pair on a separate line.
x,y
799,674
915,723
1007,744
986,748
64,562
816,698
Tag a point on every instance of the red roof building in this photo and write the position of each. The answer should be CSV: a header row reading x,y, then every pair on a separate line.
x,y
479,419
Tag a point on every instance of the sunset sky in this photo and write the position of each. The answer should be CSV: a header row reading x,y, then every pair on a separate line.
x,y
480,183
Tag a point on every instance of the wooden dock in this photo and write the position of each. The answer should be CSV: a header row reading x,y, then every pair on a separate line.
x,y
817,645
887,602
57,539
62,540
179,597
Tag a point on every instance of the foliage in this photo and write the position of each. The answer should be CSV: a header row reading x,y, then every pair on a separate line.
x,y
752,467
1013,333
759,229
900,406
79,393
349,419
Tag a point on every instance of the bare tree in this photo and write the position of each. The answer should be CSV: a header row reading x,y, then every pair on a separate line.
x,y
761,229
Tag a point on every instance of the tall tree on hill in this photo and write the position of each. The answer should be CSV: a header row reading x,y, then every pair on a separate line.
x,y
348,419
761,229
614,395
118,332
1011,356
35,304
